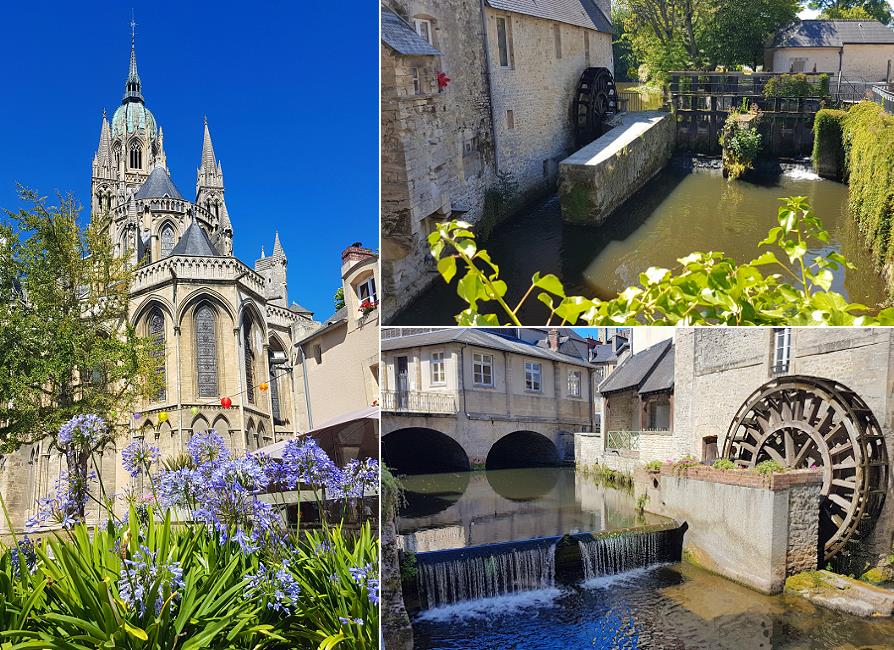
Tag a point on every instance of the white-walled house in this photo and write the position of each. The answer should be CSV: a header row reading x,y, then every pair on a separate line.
x,y
855,49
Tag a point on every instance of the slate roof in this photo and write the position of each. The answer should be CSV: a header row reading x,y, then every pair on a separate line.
x,y
402,38
158,184
605,353
300,309
195,242
646,372
481,339
583,13
832,33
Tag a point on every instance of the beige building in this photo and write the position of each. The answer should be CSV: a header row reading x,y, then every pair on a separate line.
x,y
460,398
337,366
495,132
858,50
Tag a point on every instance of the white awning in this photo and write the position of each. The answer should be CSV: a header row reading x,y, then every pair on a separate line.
x,y
350,435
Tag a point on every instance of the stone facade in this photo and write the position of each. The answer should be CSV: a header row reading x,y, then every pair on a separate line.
x,y
864,62
748,528
502,121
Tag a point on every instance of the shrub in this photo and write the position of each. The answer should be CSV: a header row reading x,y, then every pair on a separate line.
x,y
741,143
767,467
654,466
723,464
797,85
828,146
706,289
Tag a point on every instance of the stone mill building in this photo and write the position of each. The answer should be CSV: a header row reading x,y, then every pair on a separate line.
x,y
476,111
227,327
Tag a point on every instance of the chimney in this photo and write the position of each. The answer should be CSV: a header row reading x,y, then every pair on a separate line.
x,y
554,340
353,254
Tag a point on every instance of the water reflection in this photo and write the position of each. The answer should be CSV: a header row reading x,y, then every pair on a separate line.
x,y
676,213
504,505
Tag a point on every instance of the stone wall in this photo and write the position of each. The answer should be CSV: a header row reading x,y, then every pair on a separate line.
x,y
752,529
596,180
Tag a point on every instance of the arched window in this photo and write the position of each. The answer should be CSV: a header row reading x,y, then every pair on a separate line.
x,y
157,334
167,240
136,155
249,361
274,391
206,351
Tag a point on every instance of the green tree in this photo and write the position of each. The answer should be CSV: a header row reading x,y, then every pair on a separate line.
x,y
662,34
880,10
339,298
734,33
67,346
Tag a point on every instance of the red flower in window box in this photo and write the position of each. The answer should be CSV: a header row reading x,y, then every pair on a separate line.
x,y
443,80
368,306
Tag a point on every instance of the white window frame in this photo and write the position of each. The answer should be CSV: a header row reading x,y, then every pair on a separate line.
x,y
438,370
480,363
420,24
782,350
370,285
533,376
574,387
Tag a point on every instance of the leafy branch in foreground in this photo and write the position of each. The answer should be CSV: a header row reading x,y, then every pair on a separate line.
x,y
705,289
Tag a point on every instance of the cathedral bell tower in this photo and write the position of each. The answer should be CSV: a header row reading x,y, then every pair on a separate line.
x,y
210,195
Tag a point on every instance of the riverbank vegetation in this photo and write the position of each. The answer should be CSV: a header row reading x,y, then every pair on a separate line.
x,y
202,559
862,139
705,289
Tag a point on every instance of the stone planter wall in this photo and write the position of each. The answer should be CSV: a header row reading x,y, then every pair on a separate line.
x,y
752,529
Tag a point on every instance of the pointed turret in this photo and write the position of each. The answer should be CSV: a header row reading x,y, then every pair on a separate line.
x,y
104,152
208,158
277,248
133,87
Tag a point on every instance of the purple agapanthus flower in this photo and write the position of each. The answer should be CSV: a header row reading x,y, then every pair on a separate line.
x,y
276,586
347,621
146,576
247,472
83,431
306,462
367,576
66,505
207,447
354,479
138,456
179,488
23,553
238,515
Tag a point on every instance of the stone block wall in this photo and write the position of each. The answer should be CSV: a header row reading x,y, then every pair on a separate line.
x,y
751,529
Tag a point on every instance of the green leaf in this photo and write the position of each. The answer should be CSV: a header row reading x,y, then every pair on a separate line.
x,y
824,279
549,283
135,632
768,257
470,288
772,236
654,275
447,268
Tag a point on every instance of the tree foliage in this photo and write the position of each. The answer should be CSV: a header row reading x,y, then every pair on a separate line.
x,y
666,35
879,10
66,342
705,289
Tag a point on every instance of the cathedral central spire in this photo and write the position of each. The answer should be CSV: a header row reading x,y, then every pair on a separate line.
x,y
133,86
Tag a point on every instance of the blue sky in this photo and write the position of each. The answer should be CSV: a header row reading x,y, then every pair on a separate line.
x,y
290,90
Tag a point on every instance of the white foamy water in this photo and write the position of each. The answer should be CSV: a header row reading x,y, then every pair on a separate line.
x,y
487,607
801,174
631,576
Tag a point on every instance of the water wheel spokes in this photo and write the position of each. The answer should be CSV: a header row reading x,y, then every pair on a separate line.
x,y
594,99
803,422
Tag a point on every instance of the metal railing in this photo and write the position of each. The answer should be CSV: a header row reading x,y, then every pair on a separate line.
x,y
623,440
418,402
884,97
631,101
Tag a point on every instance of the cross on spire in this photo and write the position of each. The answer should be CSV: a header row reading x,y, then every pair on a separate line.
x,y
133,28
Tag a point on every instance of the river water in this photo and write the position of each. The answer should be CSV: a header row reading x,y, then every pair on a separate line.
x,y
455,510
678,212
663,606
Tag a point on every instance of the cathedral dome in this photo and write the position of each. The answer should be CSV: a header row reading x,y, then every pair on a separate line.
x,y
132,118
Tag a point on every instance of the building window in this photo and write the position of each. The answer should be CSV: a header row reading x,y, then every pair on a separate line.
x,y
438,375
367,291
274,390
557,37
710,451
799,64
249,357
157,335
417,86
782,349
136,155
659,413
503,42
206,351
532,376
423,28
482,369
574,383
510,120
587,47
167,240
318,353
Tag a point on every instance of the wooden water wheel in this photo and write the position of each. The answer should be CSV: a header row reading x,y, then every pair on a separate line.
x,y
594,99
803,422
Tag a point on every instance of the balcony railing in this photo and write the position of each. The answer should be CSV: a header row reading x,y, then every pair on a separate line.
x,y
884,97
418,402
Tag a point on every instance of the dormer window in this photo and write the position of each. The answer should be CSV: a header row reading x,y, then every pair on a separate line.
x,y
366,292
423,28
